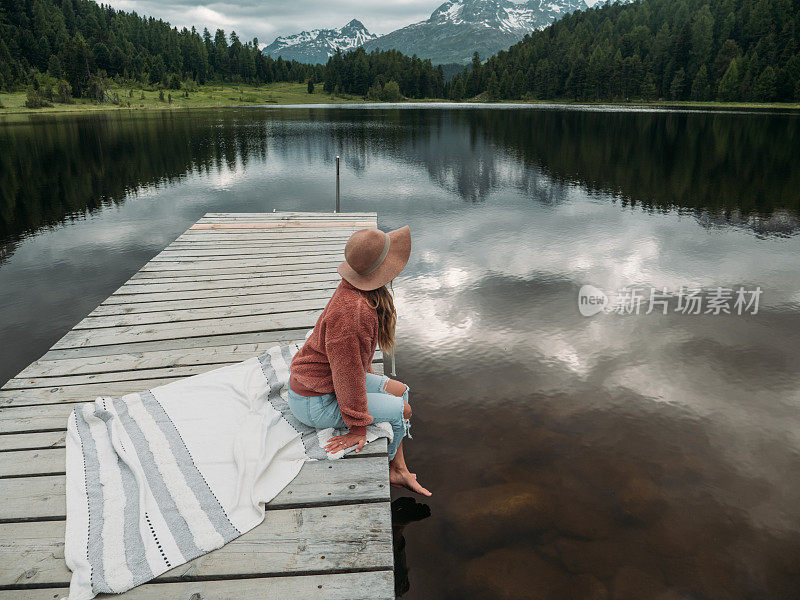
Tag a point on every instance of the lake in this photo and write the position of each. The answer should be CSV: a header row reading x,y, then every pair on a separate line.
x,y
646,451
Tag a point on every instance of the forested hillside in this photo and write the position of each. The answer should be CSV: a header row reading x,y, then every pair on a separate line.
x,y
362,73
730,50
83,44
78,40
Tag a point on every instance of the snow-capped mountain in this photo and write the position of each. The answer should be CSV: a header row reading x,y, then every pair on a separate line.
x,y
317,45
452,33
460,27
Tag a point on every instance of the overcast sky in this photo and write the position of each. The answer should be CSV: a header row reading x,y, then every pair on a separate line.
x,y
267,19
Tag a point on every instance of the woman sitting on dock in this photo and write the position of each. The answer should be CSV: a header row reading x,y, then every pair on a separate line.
x,y
332,383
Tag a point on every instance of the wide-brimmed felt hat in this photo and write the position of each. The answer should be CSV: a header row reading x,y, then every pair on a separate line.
x,y
373,258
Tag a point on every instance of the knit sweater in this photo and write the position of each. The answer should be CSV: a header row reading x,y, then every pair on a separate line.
x,y
337,355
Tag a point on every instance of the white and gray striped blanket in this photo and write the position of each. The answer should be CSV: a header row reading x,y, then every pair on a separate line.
x,y
157,478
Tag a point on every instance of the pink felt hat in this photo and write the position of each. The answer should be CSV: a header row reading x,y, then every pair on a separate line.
x,y
373,258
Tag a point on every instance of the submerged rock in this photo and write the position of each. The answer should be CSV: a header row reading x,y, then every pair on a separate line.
x,y
631,583
515,574
710,574
487,517
640,499
691,527
580,519
602,558
588,587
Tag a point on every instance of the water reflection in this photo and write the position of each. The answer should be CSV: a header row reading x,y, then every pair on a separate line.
x,y
612,456
405,510
52,168
607,457
728,166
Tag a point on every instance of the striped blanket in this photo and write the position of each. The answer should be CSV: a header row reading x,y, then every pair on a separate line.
x,y
157,478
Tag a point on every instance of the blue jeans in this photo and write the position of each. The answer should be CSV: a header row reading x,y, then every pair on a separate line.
x,y
323,411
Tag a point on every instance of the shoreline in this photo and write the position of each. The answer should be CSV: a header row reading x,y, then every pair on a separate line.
x,y
667,106
295,95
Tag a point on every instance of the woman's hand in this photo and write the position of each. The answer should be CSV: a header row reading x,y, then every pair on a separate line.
x,y
341,442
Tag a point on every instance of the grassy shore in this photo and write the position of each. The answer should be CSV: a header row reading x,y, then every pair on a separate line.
x,y
215,96
206,96
693,104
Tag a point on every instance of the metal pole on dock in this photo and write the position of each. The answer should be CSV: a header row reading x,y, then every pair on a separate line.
x,y
388,362
337,185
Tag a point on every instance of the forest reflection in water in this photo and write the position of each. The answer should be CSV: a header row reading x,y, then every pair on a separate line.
x,y
737,167
638,456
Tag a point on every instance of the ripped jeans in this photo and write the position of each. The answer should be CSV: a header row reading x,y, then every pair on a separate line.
x,y
323,411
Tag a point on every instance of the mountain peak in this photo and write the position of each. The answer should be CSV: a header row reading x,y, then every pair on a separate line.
x,y
317,45
355,24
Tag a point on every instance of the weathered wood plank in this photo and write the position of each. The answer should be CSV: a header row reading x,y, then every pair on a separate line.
x,y
274,218
256,245
370,585
173,253
232,285
285,217
27,441
234,272
239,263
186,329
179,344
22,383
270,234
150,360
266,237
38,418
234,282
44,461
279,225
364,479
288,215
289,541
19,463
315,291
328,280
299,303
322,217
215,256
39,401
144,360
217,240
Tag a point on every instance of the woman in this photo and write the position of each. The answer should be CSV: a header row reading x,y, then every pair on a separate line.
x,y
331,382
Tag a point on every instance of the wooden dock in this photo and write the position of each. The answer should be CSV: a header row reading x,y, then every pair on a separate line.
x,y
226,290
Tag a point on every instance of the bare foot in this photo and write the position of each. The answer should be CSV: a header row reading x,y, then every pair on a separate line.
x,y
407,480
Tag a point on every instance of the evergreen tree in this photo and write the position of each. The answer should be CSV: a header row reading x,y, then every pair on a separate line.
x,y
701,87
518,88
457,89
765,85
728,89
506,86
678,85
493,88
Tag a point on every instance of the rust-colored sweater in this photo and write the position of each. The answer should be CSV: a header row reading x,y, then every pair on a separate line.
x,y
336,356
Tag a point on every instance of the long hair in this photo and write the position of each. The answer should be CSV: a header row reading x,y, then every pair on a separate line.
x,y
381,300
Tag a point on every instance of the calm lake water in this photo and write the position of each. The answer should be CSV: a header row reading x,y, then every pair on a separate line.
x,y
625,456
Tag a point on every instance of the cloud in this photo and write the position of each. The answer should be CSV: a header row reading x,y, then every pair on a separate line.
x,y
267,20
